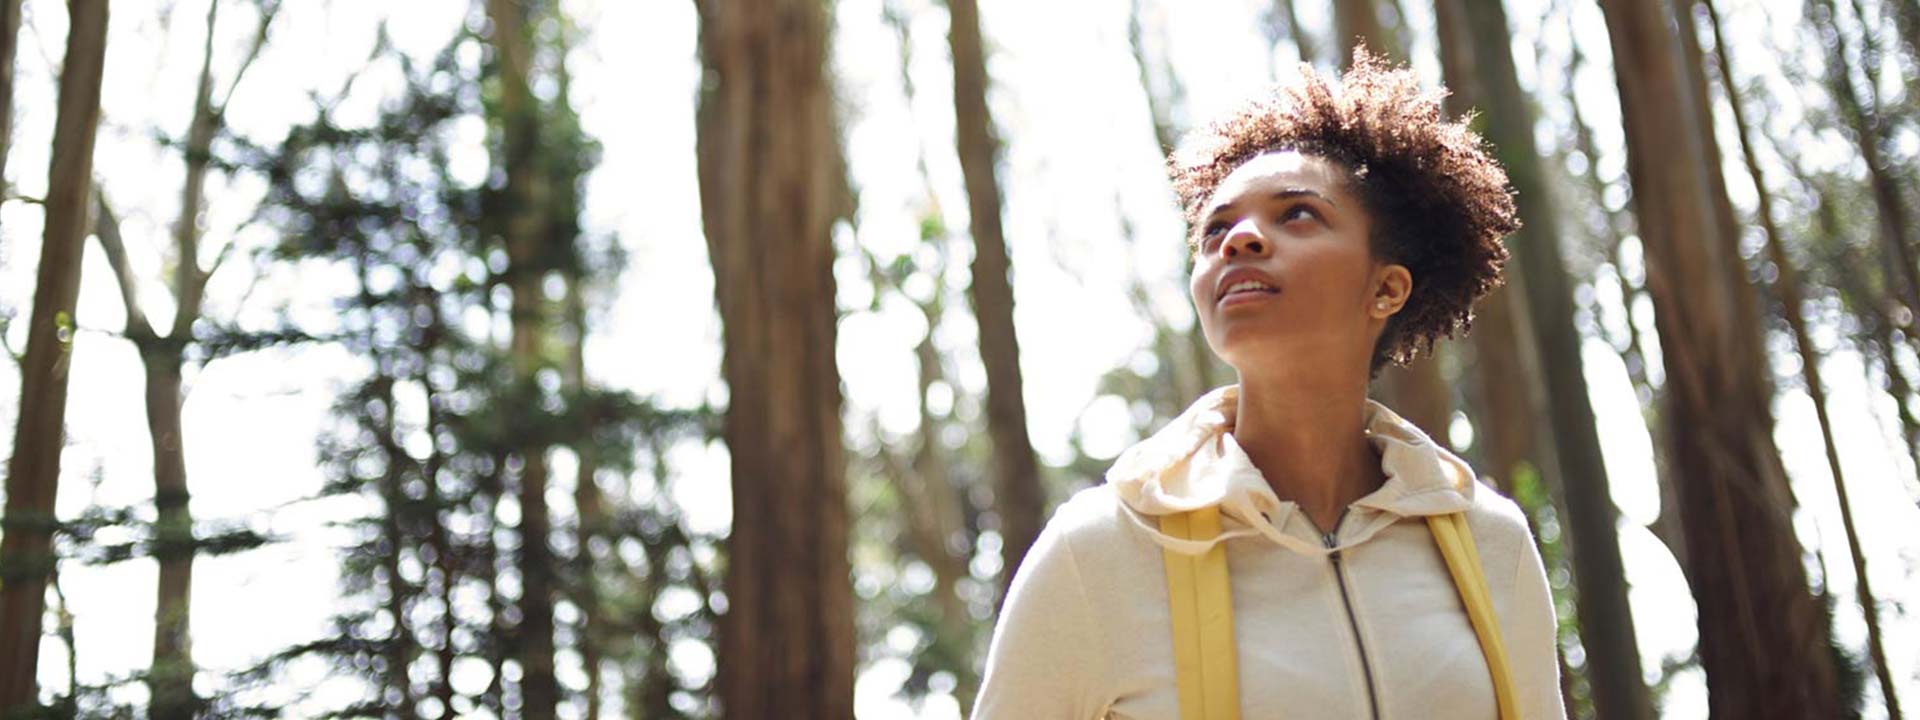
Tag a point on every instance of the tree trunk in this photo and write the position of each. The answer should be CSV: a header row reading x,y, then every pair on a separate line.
x,y
171,674
1744,297
590,506
33,473
1018,496
767,152
528,249
400,644
9,48
1788,287
1763,635
1606,622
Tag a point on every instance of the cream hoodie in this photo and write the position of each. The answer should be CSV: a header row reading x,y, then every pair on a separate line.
x,y
1085,631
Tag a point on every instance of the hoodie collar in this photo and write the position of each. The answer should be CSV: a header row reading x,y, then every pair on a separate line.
x,y
1194,462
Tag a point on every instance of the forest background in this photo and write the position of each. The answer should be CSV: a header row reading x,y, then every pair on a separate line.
x,y
322,308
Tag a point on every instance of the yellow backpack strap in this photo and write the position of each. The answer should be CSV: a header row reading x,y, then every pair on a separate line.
x,y
1201,601
1451,533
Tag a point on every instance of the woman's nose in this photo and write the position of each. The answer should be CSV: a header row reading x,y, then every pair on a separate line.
x,y
1245,238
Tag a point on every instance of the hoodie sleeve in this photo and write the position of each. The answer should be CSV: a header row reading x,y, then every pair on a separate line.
x,y
1535,642
1048,654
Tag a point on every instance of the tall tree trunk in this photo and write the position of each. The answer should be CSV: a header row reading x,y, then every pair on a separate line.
x,y
33,473
9,49
1788,287
1763,635
528,256
1018,496
592,520
1613,660
768,159
1744,298
171,674
590,506
400,645
450,568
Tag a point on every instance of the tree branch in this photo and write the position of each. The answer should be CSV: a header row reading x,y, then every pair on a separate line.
x,y
106,227
267,12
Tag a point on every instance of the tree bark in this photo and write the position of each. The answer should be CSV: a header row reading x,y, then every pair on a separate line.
x,y
1787,285
767,152
9,49
1018,497
590,506
1540,274
1763,635
33,473
1745,298
528,256
171,674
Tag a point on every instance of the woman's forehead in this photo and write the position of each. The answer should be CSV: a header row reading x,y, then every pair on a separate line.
x,y
1285,169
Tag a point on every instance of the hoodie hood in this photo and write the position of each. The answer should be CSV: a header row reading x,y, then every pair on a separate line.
x,y
1194,462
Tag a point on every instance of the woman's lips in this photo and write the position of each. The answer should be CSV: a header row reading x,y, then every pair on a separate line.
x,y
1244,297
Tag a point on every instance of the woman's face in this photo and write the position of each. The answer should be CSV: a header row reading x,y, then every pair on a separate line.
x,y
1284,272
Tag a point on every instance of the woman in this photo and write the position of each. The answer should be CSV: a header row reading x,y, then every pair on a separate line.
x,y
1334,230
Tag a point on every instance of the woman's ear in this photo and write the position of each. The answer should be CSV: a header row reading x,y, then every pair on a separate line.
x,y
1392,285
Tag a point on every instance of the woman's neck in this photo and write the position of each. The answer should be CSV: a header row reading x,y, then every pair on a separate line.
x,y
1307,436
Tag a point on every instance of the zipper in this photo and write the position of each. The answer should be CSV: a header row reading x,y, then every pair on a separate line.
x,y
1340,578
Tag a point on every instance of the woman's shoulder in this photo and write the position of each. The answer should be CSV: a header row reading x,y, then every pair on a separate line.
x,y
1501,533
1496,513
1096,527
1091,514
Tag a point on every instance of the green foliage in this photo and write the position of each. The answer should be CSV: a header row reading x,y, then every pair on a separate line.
x,y
428,434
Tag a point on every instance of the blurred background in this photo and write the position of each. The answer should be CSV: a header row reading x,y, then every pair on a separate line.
x,y
592,358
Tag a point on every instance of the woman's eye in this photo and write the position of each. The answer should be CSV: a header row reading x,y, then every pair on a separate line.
x,y
1214,230
1297,212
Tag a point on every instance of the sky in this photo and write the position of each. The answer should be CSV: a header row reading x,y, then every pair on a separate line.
x,y
1079,159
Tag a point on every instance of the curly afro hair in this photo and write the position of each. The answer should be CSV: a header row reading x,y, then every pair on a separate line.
x,y
1438,202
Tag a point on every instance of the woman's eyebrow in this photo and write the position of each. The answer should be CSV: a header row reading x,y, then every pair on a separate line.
x,y
1281,194
1290,193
